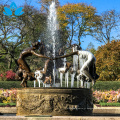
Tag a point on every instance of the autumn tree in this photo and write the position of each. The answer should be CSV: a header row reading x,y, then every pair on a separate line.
x,y
108,61
77,19
109,21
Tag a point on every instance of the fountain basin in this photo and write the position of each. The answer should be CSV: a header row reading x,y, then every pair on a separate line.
x,y
54,101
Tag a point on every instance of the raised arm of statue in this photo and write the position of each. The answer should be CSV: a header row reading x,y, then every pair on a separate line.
x,y
39,55
46,66
67,55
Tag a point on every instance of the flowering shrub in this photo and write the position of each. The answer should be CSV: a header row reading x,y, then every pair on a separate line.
x,y
9,75
8,96
106,96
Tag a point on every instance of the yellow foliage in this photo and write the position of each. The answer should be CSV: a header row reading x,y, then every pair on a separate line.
x,y
79,10
108,61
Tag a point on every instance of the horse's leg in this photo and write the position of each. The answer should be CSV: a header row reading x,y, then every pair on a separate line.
x,y
24,84
24,78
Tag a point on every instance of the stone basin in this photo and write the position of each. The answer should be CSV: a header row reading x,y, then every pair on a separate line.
x,y
54,101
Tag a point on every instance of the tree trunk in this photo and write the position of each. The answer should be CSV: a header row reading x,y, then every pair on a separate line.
x,y
10,63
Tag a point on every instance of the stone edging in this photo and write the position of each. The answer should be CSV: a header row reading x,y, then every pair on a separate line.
x,y
60,118
108,110
8,109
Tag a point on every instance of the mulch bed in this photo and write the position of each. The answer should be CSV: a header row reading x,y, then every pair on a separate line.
x,y
8,106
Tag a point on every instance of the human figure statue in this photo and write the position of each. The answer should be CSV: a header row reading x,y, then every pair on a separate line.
x,y
24,68
89,64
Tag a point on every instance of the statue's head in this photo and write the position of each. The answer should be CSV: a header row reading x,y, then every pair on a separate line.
x,y
36,45
76,47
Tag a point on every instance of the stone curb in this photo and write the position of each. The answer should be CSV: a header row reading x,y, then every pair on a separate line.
x,y
108,110
8,109
60,118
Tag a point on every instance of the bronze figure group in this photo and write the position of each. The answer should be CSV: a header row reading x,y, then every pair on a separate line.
x,y
24,73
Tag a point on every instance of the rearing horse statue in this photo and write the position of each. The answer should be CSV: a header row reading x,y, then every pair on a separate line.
x,y
24,73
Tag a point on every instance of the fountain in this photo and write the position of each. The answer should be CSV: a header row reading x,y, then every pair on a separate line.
x,y
54,99
52,27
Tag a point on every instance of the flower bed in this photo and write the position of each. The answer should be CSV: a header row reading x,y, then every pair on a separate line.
x,y
103,98
106,96
8,96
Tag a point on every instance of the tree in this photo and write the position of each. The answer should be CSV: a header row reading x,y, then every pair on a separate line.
x,y
109,21
34,24
45,4
18,33
77,19
91,48
108,61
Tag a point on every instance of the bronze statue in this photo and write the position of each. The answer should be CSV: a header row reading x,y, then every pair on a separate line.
x,y
24,73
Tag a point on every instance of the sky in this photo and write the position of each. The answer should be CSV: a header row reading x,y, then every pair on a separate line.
x,y
100,5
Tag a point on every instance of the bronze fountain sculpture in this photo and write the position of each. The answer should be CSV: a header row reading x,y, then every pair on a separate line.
x,y
54,99
24,73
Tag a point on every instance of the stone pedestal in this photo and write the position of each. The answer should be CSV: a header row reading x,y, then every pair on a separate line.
x,y
54,101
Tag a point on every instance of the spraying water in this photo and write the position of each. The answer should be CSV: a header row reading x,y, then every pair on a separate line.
x,y
52,26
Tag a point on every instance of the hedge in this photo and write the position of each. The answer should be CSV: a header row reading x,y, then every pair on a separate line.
x,y
107,85
14,84
109,104
100,85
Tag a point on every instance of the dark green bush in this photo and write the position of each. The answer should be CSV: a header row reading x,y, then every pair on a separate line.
x,y
107,85
109,104
100,85
14,84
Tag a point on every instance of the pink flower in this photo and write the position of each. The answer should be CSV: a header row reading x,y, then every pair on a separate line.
x,y
10,75
1,75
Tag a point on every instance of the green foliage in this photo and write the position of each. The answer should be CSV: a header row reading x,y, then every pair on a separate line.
x,y
107,85
18,34
108,61
100,85
9,104
109,104
14,84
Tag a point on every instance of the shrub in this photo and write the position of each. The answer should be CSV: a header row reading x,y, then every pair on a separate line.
x,y
109,104
10,75
107,85
14,84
